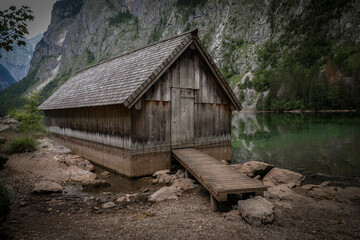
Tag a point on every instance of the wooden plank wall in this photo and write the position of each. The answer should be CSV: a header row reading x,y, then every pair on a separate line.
x,y
212,115
145,129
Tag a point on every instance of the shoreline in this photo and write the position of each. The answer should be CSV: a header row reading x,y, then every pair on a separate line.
x,y
298,111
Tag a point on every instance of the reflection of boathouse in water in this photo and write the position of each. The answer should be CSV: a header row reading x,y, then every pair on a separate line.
x,y
129,112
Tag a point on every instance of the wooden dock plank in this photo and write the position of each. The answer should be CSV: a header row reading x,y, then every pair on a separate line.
x,y
219,179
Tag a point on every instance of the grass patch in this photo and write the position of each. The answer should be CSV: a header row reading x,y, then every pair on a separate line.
x,y
21,145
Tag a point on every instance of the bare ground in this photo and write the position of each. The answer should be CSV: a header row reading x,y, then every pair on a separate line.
x,y
74,214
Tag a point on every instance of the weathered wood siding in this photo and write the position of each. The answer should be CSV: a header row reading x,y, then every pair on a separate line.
x,y
205,125
184,108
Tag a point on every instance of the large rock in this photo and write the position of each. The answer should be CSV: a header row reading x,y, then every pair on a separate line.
x,y
47,187
254,168
165,193
279,176
96,183
257,211
283,192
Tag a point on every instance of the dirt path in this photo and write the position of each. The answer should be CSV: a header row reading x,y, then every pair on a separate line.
x,y
78,215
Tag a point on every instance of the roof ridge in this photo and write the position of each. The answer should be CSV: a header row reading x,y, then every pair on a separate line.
x,y
135,50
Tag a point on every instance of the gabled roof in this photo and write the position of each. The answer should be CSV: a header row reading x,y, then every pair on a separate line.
x,y
124,79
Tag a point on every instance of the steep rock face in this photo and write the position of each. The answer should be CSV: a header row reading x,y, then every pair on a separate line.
x,y
5,78
243,37
17,62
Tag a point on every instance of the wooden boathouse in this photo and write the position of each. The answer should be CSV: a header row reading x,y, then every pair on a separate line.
x,y
130,112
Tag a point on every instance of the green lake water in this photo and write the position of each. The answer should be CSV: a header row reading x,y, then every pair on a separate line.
x,y
321,144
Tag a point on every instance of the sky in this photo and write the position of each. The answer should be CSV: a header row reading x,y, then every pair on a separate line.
x,y
41,11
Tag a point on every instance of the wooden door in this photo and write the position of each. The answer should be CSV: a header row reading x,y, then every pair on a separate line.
x,y
182,117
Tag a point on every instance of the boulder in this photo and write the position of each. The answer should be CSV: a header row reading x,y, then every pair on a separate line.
x,y
79,175
184,184
47,187
257,211
165,178
96,183
322,193
108,205
283,192
253,168
165,193
278,176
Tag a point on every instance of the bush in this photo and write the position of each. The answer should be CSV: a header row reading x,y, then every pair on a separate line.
x,y
22,144
4,202
29,117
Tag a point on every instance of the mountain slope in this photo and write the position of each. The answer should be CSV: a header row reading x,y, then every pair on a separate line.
x,y
5,78
18,60
276,55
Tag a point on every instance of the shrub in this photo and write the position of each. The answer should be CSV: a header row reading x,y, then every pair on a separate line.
x,y
22,144
29,117
4,202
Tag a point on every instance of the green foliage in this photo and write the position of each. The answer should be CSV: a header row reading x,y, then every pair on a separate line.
x,y
13,26
121,17
10,97
158,30
261,80
206,39
187,7
290,66
52,86
90,56
29,117
22,144
4,202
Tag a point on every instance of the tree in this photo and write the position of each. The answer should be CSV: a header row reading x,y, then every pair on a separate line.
x,y
13,26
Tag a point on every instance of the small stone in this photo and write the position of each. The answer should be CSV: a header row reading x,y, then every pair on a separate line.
x,y
166,171
47,187
180,173
105,174
154,181
184,184
108,205
49,209
121,199
165,193
146,189
22,204
253,168
233,215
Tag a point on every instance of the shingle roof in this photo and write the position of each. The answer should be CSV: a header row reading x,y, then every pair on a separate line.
x,y
120,80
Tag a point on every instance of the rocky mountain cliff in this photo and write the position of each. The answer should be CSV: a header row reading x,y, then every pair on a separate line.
x,y
18,61
276,55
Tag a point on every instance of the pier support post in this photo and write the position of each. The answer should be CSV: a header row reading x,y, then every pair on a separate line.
x,y
186,173
214,203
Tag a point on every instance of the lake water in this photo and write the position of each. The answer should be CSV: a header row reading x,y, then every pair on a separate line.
x,y
321,144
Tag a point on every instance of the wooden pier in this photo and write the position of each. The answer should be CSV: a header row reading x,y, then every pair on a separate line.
x,y
219,179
